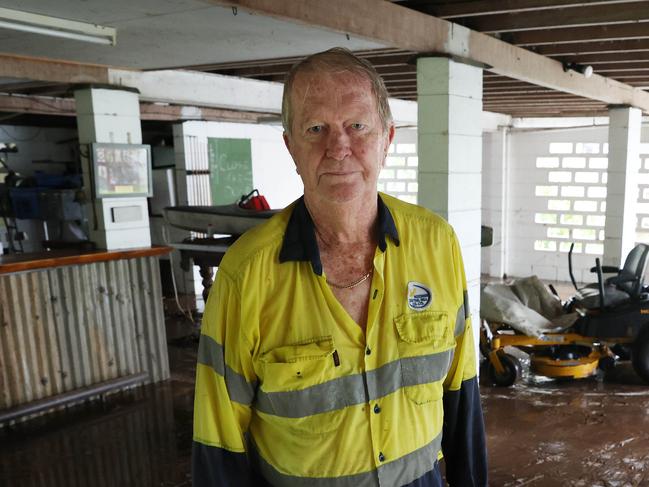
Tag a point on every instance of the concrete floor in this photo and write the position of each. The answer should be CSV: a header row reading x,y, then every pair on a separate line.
x,y
592,432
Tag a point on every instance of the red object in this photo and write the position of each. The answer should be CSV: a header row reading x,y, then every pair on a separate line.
x,y
254,201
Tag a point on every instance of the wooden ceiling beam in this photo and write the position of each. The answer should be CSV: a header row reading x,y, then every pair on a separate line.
x,y
380,62
22,86
452,10
400,81
51,70
609,57
628,66
579,34
377,56
598,15
616,71
66,107
531,96
392,25
594,47
522,90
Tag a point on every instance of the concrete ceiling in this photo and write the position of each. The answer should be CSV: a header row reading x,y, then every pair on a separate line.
x,y
155,34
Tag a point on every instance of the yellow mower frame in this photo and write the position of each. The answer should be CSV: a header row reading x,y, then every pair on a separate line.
x,y
504,369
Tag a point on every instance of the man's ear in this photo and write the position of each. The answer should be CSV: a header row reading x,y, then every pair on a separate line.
x,y
286,141
391,131
388,141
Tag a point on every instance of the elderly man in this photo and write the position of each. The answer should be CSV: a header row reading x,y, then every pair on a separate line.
x,y
336,348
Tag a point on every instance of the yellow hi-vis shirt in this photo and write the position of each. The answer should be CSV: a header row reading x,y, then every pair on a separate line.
x,y
290,390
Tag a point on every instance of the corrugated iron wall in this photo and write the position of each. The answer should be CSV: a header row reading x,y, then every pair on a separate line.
x,y
72,326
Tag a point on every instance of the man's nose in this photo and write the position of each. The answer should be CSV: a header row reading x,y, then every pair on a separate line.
x,y
338,145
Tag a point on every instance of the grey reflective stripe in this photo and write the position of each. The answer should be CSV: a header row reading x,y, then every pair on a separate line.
x,y
467,310
350,390
328,396
460,321
425,369
412,466
210,353
401,471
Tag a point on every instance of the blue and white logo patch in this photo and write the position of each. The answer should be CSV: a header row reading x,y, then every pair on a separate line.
x,y
419,296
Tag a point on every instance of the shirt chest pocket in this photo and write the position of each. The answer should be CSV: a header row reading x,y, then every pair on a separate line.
x,y
425,345
297,388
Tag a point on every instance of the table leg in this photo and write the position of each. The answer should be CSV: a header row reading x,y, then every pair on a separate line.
x,y
207,274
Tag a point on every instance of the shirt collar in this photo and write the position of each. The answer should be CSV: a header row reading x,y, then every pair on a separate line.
x,y
300,242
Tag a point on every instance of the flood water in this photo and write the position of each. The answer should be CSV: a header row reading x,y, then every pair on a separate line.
x,y
592,432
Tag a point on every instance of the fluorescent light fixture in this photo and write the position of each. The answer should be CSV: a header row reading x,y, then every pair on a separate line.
x,y
56,27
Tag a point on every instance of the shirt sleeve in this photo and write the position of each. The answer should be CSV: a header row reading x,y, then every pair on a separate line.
x,y
225,389
463,440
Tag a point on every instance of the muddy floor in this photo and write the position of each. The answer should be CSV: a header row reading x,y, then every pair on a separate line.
x,y
588,432
592,432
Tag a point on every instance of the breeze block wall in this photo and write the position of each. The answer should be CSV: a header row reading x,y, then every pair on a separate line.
x,y
556,195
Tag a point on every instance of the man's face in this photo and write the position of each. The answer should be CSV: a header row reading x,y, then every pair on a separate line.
x,y
337,140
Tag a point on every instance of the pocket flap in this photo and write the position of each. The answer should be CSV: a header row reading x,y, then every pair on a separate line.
x,y
424,326
312,349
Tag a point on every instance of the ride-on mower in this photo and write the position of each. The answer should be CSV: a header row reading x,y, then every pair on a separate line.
x,y
602,323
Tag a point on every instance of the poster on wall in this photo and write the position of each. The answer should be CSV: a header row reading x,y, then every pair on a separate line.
x,y
121,170
230,163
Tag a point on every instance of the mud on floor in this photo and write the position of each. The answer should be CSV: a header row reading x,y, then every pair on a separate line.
x,y
592,432
588,432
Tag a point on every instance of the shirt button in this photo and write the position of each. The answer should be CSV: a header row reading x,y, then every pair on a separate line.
x,y
377,409
381,457
368,351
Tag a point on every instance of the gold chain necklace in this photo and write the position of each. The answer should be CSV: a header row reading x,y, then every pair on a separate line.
x,y
351,284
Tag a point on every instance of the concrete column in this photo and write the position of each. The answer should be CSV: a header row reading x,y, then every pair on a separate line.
x,y
622,186
495,198
450,155
185,281
111,115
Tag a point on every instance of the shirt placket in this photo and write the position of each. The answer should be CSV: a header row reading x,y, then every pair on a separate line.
x,y
375,411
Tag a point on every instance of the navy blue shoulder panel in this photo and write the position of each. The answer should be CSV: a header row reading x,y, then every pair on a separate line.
x,y
216,467
463,440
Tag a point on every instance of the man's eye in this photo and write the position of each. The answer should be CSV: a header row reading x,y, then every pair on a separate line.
x,y
316,129
358,126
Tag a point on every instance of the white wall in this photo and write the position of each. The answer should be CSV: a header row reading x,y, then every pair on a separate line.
x,y
273,171
398,177
37,144
518,160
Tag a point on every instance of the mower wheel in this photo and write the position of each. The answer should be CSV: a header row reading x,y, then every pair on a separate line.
x,y
606,364
512,373
640,354
484,347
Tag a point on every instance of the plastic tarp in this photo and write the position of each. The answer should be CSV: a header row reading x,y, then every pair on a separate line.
x,y
526,305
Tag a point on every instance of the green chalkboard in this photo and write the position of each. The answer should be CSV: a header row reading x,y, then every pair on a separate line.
x,y
230,169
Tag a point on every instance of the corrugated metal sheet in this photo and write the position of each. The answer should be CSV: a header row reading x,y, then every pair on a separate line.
x,y
73,326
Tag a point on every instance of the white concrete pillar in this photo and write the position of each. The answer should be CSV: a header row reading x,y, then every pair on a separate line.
x,y
450,155
495,199
110,115
622,186
183,156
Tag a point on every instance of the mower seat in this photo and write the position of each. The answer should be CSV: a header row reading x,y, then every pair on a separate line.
x,y
627,284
